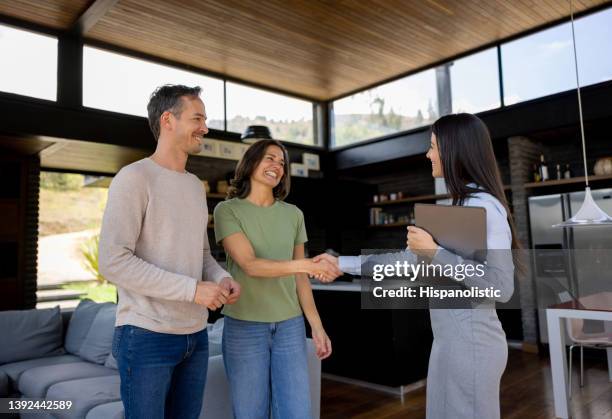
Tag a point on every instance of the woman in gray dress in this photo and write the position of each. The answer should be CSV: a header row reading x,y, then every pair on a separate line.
x,y
469,351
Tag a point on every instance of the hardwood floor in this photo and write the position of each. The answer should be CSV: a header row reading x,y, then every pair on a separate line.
x,y
526,394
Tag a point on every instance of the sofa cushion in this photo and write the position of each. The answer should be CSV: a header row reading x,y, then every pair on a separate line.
x,y
112,410
99,338
15,369
4,384
85,394
111,362
79,325
30,334
36,381
217,402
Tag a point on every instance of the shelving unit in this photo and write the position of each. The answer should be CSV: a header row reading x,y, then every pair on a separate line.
x,y
562,182
408,200
418,198
389,225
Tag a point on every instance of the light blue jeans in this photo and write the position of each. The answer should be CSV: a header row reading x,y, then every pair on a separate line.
x,y
267,368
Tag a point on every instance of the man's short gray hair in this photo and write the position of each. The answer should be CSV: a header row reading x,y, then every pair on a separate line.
x,y
168,98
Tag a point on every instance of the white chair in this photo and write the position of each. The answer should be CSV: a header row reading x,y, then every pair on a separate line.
x,y
575,331
602,340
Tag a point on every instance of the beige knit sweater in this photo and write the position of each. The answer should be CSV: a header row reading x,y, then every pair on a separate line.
x,y
154,247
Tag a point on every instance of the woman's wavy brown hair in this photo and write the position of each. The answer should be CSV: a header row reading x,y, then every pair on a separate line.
x,y
241,183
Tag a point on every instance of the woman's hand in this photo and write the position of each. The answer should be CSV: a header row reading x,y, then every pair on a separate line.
x,y
322,269
322,342
420,242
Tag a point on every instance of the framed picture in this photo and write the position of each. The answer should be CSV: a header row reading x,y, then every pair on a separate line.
x,y
210,148
311,161
299,169
228,150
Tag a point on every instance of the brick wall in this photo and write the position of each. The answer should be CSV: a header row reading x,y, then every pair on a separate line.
x,y
523,152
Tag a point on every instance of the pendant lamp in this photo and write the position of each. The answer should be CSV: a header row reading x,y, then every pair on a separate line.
x,y
589,213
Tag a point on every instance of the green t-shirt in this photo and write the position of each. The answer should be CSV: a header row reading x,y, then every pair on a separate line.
x,y
273,232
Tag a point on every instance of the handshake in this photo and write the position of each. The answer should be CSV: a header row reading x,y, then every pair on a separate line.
x,y
324,267
209,294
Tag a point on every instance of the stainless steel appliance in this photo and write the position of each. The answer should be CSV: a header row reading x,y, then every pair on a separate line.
x,y
556,269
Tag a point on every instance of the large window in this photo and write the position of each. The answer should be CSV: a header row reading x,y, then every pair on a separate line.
x,y
542,64
289,119
124,84
475,82
29,63
594,44
70,217
403,104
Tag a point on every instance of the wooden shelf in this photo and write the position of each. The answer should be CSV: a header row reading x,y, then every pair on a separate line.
x,y
403,224
216,195
562,182
409,199
418,198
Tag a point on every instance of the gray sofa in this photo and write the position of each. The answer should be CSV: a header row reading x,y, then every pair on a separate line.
x,y
66,356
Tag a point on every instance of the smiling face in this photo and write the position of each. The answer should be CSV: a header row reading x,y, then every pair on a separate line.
x,y
433,154
271,168
189,127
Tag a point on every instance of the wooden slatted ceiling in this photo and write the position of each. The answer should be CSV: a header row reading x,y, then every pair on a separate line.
x,y
319,49
57,14
314,48
84,156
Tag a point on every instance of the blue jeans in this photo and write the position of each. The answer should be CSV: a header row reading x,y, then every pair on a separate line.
x,y
162,375
267,368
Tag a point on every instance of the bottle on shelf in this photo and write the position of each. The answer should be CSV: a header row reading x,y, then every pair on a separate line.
x,y
559,174
536,174
567,174
543,169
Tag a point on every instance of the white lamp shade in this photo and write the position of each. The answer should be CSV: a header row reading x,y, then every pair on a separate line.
x,y
589,214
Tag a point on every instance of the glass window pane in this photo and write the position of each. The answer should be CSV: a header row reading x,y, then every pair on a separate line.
x,y
29,63
594,47
475,82
538,65
543,63
119,83
401,105
288,118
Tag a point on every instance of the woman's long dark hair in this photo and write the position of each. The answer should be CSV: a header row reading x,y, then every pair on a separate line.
x,y
241,183
467,156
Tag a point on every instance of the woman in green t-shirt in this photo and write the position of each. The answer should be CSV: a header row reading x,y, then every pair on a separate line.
x,y
264,340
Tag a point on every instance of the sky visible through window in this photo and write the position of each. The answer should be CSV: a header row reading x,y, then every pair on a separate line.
x,y
543,63
288,118
29,63
124,84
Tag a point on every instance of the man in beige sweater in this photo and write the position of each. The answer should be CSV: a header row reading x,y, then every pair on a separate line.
x,y
154,247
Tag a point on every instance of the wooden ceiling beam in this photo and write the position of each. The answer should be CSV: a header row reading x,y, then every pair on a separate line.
x,y
91,16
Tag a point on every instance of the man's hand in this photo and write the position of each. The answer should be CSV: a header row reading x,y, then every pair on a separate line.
x,y
328,260
210,295
232,287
